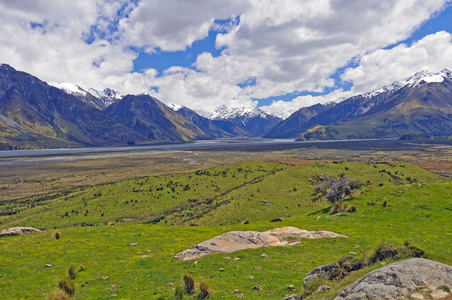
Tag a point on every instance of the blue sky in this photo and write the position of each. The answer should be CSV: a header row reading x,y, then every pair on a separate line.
x,y
279,55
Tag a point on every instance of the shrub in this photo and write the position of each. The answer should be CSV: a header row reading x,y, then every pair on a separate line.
x,y
57,235
81,268
178,293
204,290
336,208
72,273
385,203
335,189
351,208
384,250
59,295
189,284
66,286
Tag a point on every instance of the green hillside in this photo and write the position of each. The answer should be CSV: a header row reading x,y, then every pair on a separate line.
x,y
397,202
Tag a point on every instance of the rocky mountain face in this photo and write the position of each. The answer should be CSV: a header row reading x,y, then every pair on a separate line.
x,y
35,114
205,124
98,99
153,120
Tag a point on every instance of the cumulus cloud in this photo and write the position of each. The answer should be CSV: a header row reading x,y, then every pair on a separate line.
x,y
382,67
269,48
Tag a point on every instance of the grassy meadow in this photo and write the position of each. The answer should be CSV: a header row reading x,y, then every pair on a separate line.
x,y
121,237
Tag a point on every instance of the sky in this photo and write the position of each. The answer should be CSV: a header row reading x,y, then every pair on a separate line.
x,y
278,55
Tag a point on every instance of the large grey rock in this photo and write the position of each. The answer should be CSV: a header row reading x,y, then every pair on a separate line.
x,y
237,240
399,280
18,230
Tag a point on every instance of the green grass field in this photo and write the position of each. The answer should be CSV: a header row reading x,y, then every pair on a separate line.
x,y
167,214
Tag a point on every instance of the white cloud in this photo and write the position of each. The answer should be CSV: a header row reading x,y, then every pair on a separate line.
x,y
382,67
284,109
173,25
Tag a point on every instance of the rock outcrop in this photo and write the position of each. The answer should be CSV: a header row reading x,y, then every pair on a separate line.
x,y
238,240
18,230
414,277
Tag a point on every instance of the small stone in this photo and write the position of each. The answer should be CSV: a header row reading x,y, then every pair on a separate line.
x,y
195,262
227,257
417,296
236,291
48,266
383,263
113,286
133,244
291,288
251,276
221,270
149,251
170,284
265,255
236,259
352,252
439,294
144,256
257,288
257,268
104,277
114,295
235,267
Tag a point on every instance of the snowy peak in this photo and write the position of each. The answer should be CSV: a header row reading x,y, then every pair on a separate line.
x,y
69,88
224,112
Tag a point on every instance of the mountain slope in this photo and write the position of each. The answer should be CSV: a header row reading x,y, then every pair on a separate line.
x,y
421,104
206,125
153,119
52,117
290,127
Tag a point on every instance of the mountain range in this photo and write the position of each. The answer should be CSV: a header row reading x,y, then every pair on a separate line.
x,y
420,104
34,114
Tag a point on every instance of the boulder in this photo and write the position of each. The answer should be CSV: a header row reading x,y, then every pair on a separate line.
x,y
238,240
399,280
18,230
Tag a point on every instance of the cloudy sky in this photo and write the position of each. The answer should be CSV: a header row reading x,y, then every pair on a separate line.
x,y
279,55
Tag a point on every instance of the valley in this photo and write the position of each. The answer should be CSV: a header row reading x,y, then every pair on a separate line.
x,y
164,202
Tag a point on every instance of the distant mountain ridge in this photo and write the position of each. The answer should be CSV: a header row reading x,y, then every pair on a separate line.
x,y
35,114
252,120
421,103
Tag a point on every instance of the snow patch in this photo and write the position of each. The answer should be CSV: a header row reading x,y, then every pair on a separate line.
x,y
69,88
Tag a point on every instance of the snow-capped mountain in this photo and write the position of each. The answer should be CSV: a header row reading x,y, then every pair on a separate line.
x,y
418,104
420,77
108,96
224,112
252,120
99,99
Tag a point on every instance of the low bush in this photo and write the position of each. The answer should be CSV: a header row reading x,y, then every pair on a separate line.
x,y
72,273
204,289
66,286
178,293
57,235
189,284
